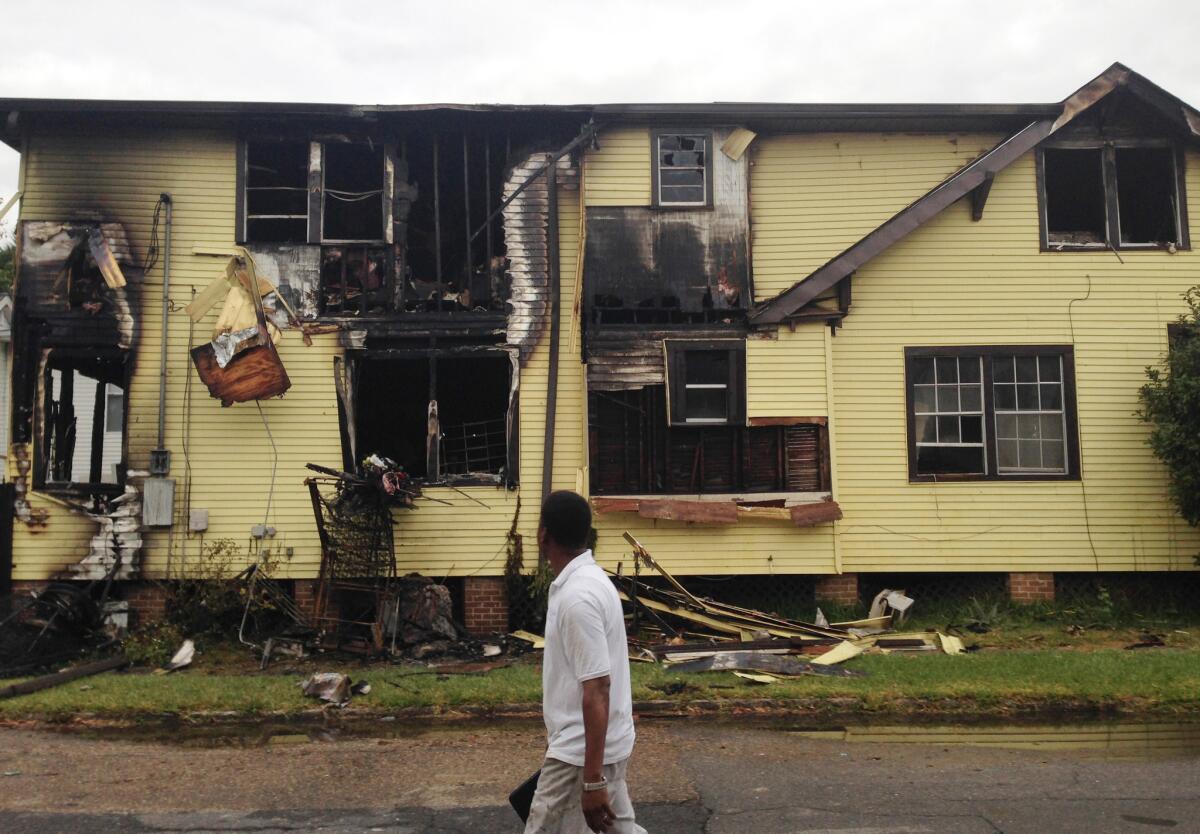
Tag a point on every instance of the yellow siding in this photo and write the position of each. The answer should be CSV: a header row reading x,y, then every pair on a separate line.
x,y
785,376
813,195
227,453
619,173
956,282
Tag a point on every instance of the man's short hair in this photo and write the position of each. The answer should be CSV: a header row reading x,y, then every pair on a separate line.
x,y
567,518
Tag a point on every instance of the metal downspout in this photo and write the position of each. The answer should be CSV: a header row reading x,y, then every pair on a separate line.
x,y
160,458
555,327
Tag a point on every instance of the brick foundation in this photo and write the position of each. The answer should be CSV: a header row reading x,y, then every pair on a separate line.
x,y
147,602
1031,587
305,593
840,588
485,605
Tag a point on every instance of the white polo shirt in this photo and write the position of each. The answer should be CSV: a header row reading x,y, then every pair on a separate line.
x,y
585,639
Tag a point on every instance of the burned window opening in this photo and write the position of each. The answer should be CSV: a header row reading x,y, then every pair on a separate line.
x,y
1118,195
458,178
276,193
1075,201
442,417
682,169
633,451
353,190
1147,201
81,441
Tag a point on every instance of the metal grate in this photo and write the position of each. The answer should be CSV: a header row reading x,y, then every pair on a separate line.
x,y
480,446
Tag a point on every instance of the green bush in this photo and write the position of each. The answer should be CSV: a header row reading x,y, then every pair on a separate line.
x,y
153,644
1170,402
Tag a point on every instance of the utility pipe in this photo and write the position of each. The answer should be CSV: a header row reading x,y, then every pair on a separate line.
x,y
160,460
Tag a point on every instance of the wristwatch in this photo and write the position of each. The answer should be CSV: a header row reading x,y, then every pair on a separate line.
x,y
595,786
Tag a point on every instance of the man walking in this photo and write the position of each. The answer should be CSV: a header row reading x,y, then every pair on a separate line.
x,y
586,698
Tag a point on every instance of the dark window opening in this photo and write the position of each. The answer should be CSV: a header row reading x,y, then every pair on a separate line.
x,y
1112,196
355,280
455,187
442,417
1146,195
633,451
682,169
277,192
707,381
1075,203
82,419
353,191
991,413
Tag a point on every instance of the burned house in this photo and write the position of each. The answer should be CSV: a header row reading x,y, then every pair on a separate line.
x,y
820,341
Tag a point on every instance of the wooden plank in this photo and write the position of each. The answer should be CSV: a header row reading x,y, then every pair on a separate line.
x,y
771,513
788,421
704,512
615,505
808,515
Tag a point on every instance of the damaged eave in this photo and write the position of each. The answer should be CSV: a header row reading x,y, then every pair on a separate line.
x,y
973,179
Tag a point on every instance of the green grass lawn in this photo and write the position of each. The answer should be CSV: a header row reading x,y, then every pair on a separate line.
x,y
990,682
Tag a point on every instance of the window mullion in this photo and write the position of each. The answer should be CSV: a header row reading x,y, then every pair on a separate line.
x,y
990,469
1112,208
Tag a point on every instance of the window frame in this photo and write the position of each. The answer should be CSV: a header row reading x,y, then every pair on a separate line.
x,y
1112,225
41,463
991,458
676,351
655,173
316,187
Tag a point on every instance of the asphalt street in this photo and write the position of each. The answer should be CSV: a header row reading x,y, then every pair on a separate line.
x,y
688,775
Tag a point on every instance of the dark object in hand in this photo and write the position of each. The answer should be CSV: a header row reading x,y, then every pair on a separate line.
x,y
521,799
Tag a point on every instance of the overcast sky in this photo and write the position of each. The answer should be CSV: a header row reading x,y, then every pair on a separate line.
x,y
563,51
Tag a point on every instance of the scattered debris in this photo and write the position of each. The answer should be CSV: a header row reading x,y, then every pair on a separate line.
x,y
333,688
65,676
673,626
181,658
1148,641
758,661
535,641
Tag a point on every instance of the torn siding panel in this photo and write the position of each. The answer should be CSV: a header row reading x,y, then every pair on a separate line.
x,y
526,236
296,271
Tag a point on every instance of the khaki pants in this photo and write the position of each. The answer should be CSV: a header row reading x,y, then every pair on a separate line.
x,y
556,804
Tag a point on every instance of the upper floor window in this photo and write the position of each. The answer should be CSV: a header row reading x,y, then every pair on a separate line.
x,y
682,169
351,201
991,412
1114,195
276,195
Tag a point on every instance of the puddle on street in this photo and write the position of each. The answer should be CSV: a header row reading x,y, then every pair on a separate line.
x,y
1110,740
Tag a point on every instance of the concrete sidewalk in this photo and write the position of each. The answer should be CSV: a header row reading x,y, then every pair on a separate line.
x,y
687,776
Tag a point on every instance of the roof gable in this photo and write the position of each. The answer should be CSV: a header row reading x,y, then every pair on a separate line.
x,y
975,178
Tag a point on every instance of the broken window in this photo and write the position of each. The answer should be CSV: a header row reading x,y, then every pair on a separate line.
x,y
991,413
633,451
1118,195
1146,195
276,195
440,417
707,381
81,419
353,192
682,169
1075,202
